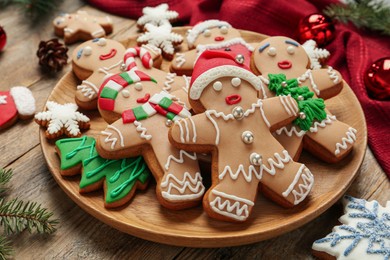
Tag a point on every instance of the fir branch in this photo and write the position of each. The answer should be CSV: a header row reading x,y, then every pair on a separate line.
x,y
6,250
5,177
34,8
364,14
17,215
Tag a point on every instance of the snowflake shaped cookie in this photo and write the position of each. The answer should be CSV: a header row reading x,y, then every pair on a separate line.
x,y
161,37
3,99
364,233
156,15
62,119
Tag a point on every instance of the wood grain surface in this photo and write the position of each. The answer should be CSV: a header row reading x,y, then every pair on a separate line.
x,y
80,235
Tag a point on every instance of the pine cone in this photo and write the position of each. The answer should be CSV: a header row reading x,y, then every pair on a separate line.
x,y
52,55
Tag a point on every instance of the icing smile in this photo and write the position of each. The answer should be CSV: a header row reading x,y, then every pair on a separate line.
x,y
219,38
233,99
144,99
109,55
284,64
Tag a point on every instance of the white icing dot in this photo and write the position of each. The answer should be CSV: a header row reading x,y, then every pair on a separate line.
x,y
102,42
236,82
125,93
138,86
87,51
272,51
224,30
217,86
207,33
291,49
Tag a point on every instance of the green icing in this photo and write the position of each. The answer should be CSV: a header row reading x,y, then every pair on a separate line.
x,y
120,175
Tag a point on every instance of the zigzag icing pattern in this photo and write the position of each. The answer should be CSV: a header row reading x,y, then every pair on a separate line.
x,y
179,160
350,139
333,75
303,189
170,78
308,75
113,140
88,89
329,119
180,60
194,184
293,131
278,162
143,130
235,211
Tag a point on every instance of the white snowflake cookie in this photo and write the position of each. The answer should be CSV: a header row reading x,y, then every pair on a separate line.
x,y
156,15
364,233
62,119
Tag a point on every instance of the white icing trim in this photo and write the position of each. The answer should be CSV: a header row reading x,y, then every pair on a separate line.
x,y
219,207
194,184
304,189
309,75
88,89
3,100
289,105
187,81
350,139
208,76
333,75
290,132
68,30
186,131
180,59
200,27
98,33
24,100
142,130
179,160
114,139
106,69
327,121
170,78
224,44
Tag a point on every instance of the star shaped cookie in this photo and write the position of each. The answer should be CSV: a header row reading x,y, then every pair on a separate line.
x,y
81,26
62,119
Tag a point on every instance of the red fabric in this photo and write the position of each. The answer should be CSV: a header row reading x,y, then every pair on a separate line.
x,y
352,50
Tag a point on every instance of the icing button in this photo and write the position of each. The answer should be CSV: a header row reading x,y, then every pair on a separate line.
x,y
238,113
256,159
168,123
240,58
123,67
247,137
301,98
302,115
284,84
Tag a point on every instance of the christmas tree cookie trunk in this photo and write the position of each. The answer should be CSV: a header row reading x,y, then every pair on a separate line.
x,y
327,138
119,178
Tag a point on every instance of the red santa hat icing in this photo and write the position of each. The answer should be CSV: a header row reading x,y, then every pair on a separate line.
x,y
213,65
200,27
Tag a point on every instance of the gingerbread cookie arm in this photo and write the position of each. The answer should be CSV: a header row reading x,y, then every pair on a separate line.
x,y
185,133
328,82
87,91
279,111
106,23
183,63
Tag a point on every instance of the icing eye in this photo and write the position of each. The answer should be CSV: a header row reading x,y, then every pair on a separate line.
x,y
125,93
236,82
207,33
217,86
271,51
291,49
138,86
102,42
224,30
87,51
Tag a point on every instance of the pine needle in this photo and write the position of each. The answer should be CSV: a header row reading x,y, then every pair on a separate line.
x,y
34,8
5,177
364,14
6,250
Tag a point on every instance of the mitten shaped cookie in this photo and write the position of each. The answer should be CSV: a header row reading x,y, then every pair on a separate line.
x,y
81,26
209,35
95,59
16,103
329,139
235,127
145,114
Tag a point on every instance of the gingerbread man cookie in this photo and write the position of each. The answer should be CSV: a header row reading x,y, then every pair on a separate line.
x,y
329,139
81,26
145,114
156,16
235,127
16,103
209,35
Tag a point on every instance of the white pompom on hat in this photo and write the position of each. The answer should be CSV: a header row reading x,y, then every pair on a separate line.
x,y
24,100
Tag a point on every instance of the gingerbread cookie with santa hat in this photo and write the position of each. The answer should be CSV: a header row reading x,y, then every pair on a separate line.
x,y
284,63
16,103
209,35
140,113
235,126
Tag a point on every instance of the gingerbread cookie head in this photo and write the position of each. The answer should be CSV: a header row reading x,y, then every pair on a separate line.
x,y
223,82
279,55
60,22
211,32
94,54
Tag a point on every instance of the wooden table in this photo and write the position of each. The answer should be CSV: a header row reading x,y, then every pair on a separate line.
x,y
79,235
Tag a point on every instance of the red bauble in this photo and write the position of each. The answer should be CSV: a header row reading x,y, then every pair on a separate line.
x,y
317,27
377,79
3,38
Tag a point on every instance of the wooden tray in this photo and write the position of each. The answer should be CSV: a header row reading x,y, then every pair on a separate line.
x,y
145,218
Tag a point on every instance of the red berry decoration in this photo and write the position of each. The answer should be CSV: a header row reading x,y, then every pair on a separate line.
x,y
377,79
317,27
3,38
